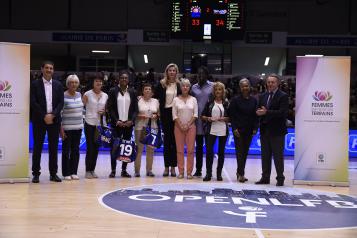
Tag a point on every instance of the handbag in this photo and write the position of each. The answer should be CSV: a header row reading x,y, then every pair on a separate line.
x,y
124,150
152,137
105,135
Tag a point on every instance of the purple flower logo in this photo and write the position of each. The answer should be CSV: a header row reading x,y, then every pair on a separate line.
x,y
4,86
322,96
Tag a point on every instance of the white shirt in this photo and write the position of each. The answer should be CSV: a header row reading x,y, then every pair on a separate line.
x,y
93,105
218,128
184,111
147,108
48,92
123,104
171,93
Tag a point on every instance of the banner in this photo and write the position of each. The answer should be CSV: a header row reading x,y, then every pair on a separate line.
x,y
14,111
321,121
254,148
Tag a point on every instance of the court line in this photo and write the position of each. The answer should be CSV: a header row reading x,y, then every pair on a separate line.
x,y
258,232
227,175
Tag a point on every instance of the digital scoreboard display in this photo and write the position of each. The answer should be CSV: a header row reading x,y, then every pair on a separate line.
x,y
207,19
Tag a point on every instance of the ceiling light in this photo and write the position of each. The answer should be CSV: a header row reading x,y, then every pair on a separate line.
x,y
146,59
101,51
266,61
314,55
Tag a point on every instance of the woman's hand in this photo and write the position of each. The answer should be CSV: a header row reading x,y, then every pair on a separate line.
x,y
236,133
63,134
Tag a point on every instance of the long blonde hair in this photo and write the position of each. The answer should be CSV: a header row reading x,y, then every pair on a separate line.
x,y
165,82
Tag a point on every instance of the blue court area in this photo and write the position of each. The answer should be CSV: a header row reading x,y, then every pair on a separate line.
x,y
236,206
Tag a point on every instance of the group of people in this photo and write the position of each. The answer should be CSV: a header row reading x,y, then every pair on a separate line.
x,y
188,115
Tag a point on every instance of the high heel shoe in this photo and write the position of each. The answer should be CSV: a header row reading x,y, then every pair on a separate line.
x,y
173,172
166,172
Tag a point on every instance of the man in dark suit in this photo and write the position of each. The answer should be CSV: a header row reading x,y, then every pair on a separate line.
x,y
273,109
46,103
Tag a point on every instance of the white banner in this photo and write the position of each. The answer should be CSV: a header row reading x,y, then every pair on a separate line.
x,y
322,115
14,111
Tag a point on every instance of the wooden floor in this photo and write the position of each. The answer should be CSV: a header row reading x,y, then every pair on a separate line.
x,y
71,208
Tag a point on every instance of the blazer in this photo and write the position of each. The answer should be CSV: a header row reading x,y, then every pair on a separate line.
x,y
160,94
275,118
207,111
242,114
38,104
112,104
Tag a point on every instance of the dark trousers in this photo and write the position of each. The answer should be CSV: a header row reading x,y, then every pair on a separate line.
x,y
92,147
272,146
168,126
125,133
199,151
242,144
39,132
211,140
70,152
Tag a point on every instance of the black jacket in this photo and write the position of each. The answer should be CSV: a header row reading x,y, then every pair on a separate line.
x,y
207,111
38,105
242,114
275,118
113,107
160,94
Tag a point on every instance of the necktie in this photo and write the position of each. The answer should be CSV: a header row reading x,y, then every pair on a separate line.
x,y
269,99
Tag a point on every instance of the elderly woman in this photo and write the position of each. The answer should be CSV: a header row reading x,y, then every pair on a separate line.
x,y
166,91
184,113
215,116
242,113
71,128
94,100
148,108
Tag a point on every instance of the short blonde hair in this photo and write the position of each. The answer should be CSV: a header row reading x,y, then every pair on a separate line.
x,y
185,82
219,85
70,78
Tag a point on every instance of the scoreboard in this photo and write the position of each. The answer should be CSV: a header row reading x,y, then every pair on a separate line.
x,y
207,19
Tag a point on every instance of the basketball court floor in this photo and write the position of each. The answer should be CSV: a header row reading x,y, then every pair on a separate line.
x,y
158,207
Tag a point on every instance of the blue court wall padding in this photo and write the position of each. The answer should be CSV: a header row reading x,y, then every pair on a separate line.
x,y
254,147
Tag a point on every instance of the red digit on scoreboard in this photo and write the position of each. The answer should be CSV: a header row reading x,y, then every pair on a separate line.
x,y
219,22
195,22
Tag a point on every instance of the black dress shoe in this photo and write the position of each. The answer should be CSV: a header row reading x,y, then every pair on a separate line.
x,y
219,178
263,181
125,174
55,178
36,179
150,174
207,178
280,183
242,179
197,174
112,174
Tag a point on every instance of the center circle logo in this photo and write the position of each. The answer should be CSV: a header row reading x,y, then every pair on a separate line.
x,y
236,206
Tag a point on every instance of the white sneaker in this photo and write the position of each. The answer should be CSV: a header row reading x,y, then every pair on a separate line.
x,y
75,177
88,175
67,178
